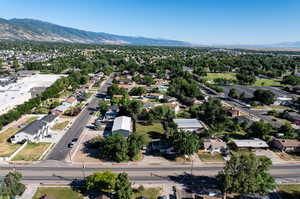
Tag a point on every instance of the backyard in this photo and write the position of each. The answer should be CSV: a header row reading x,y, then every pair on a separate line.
x,y
155,130
7,148
57,193
31,152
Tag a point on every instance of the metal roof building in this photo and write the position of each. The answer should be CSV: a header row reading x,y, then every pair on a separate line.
x,y
192,125
122,125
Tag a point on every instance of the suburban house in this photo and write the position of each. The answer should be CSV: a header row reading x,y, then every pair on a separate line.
x,y
287,145
250,144
59,109
283,100
214,145
174,106
124,86
163,88
232,112
292,116
122,125
70,101
34,131
156,96
192,125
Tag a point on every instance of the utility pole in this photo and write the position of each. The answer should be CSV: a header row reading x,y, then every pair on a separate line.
x,y
83,167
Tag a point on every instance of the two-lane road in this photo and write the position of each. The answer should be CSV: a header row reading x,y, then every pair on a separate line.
x,y
61,150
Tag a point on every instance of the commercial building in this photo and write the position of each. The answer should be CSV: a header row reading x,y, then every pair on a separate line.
x,y
122,125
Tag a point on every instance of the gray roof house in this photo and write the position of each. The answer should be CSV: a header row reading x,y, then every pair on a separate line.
x,y
122,125
250,144
192,125
35,131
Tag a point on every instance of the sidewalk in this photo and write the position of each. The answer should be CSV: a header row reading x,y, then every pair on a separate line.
x,y
30,191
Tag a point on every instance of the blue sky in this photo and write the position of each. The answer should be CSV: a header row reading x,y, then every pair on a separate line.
x,y
196,21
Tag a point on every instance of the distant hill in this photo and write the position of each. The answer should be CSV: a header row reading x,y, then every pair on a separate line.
x,y
35,30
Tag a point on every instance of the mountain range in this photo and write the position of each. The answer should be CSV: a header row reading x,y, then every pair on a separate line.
x,y
36,30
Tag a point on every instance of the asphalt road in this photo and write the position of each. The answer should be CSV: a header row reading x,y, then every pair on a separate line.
x,y
61,150
155,173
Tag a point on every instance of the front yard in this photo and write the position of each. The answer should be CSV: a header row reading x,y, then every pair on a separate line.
x,y
150,193
211,157
31,152
60,126
57,193
7,148
290,191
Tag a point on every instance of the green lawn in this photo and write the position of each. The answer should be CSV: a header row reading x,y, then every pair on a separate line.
x,y
212,76
150,193
57,193
207,157
31,152
60,126
7,148
154,129
291,191
267,82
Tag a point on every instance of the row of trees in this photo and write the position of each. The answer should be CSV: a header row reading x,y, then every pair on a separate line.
x,y
73,81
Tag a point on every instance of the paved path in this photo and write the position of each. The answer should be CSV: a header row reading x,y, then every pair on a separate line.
x,y
29,192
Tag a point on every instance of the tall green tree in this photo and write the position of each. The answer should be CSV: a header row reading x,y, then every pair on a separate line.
x,y
101,181
233,93
185,143
260,130
12,186
245,173
123,189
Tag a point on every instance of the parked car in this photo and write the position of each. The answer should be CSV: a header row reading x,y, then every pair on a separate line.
x,y
74,140
70,145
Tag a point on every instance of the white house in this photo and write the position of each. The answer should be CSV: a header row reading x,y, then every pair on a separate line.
x,y
70,101
192,125
35,131
214,145
122,125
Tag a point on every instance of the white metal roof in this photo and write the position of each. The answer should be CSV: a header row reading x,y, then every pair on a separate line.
x,y
188,123
122,123
255,143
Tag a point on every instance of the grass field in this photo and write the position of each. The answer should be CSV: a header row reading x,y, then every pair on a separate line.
x,y
60,126
7,148
291,191
207,157
150,193
57,193
212,76
31,119
32,152
154,129
267,82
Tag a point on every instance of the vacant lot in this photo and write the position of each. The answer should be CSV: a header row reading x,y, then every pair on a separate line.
x,y
212,76
154,130
291,191
31,152
57,193
60,126
151,193
208,157
267,82
7,148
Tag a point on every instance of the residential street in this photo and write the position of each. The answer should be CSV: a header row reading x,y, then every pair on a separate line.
x,y
61,150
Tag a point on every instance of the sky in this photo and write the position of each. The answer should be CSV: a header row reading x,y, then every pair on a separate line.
x,y
195,21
